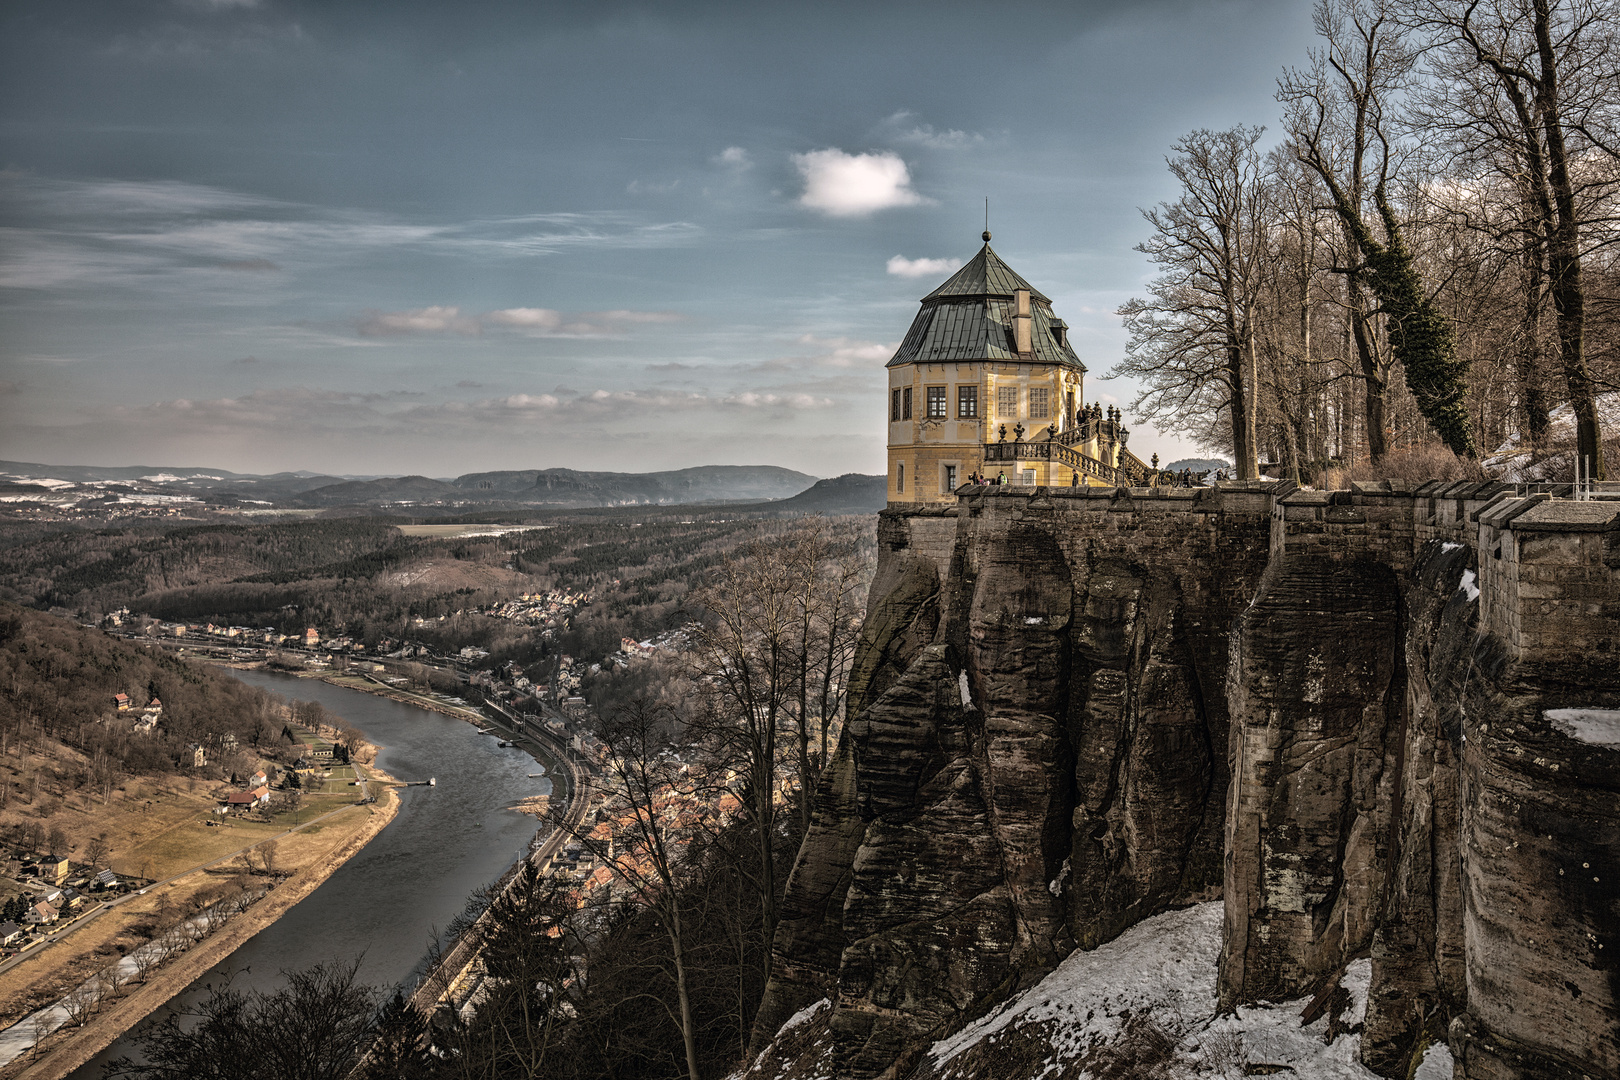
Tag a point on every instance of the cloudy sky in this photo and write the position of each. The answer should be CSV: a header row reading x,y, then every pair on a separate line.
x,y
443,237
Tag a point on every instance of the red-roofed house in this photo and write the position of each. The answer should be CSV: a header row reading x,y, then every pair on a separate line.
x,y
246,800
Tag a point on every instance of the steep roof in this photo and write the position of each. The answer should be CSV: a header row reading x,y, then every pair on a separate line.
x,y
970,318
984,275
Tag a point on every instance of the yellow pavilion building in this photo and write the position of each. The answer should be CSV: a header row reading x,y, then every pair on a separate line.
x,y
986,382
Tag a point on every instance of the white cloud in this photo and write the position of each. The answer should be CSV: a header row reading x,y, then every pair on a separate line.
x,y
851,185
755,399
428,320
621,315
900,266
533,321
849,352
927,135
734,157
527,317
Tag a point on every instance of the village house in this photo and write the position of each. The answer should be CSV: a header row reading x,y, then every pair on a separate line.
x,y
9,933
242,801
43,912
150,717
53,868
122,701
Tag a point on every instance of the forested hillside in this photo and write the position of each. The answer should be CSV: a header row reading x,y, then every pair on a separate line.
x,y
365,578
60,680
85,570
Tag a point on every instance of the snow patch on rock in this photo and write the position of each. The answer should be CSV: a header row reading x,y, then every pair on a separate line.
x,y
1160,972
1437,1064
804,1014
1597,727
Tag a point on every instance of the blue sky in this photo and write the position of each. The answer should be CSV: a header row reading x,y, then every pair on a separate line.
x,y
437,238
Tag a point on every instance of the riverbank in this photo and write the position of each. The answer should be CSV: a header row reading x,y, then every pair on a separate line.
x,y
367,684
68,1049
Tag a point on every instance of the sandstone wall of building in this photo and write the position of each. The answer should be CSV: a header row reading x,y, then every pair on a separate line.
x,y
1073,709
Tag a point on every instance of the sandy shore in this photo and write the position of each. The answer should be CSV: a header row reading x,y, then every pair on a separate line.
x,y
68,1049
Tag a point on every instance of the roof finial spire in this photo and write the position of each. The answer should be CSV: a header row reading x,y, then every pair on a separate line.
x,y
987,219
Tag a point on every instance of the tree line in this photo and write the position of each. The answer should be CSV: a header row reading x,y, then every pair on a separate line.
x,y
1427,257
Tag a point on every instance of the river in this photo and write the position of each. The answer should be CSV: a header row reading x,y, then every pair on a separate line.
x,y
415,875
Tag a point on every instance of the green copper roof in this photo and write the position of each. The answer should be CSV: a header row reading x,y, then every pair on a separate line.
x,y
970,318
984,275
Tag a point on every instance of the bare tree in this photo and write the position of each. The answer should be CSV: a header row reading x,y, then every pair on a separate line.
x,y
114,977
81,1003
828,579
148,958
96,851
267,857
1548,105
644,842
1192,340
746,666
1338,119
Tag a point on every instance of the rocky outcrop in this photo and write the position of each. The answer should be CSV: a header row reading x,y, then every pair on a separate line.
x,y
1035,759
1337,711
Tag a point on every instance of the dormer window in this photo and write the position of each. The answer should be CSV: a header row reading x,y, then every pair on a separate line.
x,y
1060,332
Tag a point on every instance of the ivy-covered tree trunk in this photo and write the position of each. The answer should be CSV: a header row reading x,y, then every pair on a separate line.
x,y
1420,335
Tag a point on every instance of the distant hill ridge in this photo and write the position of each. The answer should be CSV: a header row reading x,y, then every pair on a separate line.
x,y
852,493
561,488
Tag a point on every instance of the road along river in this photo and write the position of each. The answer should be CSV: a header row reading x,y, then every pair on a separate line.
x,y
416,875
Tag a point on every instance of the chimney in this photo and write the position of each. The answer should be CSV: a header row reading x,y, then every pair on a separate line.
x,y
1021,321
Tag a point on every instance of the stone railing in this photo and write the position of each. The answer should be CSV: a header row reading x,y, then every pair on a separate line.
x,y
1052,450
1083,430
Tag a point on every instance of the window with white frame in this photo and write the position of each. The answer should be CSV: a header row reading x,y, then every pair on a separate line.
x,y
1007,402
1040,403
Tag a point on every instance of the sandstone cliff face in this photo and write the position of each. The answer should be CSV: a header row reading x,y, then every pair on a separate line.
x,y
1072,712
1035,760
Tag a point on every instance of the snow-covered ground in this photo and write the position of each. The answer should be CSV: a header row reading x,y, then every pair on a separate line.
x,y
1149,997
1514,461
